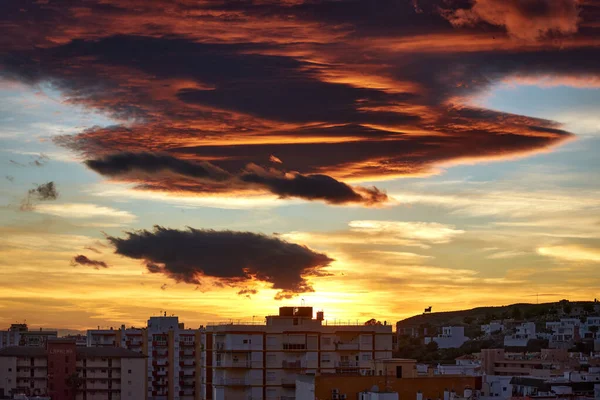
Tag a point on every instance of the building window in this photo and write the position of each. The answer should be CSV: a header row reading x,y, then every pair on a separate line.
x,y
10,369
271,376
327,341
128,371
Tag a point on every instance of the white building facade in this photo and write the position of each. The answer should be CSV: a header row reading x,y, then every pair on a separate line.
x,y
262,361
451,337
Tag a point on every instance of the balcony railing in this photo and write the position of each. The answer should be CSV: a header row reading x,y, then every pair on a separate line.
x,y
232,382
232,347
347,364
346,346
294,346
293,364
234,364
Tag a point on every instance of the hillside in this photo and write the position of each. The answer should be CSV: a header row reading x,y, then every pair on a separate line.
x,y
482,315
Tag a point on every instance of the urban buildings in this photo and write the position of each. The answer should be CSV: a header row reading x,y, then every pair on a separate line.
x,y
451,337
245,361
20,335
173,355
347,387
63,370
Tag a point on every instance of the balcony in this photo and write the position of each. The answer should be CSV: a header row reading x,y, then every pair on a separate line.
x,y
186,343
187,363
232,382
230,347
347,364
159,343
234,364
298,364
347,346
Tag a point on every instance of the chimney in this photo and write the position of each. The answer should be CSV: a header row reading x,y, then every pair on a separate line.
x,y
419,395
446,394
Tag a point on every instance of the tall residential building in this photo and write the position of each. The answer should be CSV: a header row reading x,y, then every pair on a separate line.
x,y
243,361
63,370
173,352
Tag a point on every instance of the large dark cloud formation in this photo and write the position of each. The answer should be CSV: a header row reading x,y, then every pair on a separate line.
x,y
335,89
233,258
167,170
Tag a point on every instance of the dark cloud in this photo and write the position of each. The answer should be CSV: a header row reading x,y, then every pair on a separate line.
x,y
136,166
247,293
123,163
44,192
83,260
233,258
335,89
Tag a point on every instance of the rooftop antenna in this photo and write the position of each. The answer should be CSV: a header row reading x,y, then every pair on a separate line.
x,y
303,302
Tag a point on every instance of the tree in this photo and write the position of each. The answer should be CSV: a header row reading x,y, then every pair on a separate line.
x,y
567,308
432,346
74,382
373,322
588,308
468,320
516,313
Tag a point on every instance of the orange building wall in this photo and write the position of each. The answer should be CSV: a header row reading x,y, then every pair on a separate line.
x,y
407,388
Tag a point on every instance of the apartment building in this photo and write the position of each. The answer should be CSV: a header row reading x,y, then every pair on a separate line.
x,y
20,335
63,370
134,339
547,363
243,361
173,355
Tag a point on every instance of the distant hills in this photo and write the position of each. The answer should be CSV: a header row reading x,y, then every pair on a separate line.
x,y
520,311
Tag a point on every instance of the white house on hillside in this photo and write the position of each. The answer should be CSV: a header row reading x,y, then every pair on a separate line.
x,y
451,337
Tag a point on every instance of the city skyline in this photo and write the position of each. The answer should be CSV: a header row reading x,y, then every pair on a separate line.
x,y
222,159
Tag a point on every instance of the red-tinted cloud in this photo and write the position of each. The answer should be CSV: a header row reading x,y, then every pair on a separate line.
x,y
347,89
524,19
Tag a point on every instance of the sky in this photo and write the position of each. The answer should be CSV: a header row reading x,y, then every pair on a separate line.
x,y
217,160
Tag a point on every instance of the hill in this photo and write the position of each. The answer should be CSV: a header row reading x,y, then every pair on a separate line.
x,y
482,315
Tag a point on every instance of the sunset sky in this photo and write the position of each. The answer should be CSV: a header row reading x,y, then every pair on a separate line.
x,y
219,159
